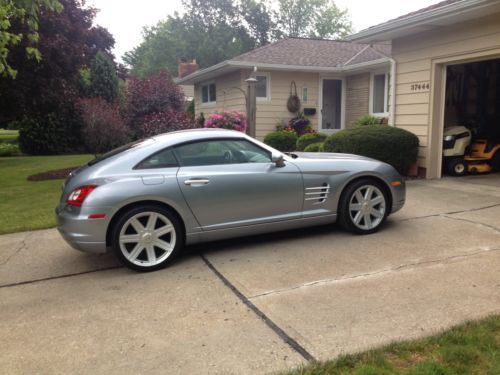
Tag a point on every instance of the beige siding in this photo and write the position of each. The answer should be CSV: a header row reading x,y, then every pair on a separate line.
x,y
357,97
270,113
415,56
228,95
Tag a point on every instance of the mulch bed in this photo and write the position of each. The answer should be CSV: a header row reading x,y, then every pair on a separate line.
x,y
56,174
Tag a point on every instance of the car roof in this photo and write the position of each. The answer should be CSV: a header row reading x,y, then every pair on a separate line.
x,y
196,134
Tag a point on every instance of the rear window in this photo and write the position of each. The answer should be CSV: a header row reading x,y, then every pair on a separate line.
x,y
119,150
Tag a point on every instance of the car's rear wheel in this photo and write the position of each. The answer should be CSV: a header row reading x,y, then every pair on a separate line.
x,y
363,207
147,238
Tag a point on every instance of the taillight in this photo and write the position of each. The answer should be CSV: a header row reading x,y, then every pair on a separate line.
x,y
78,195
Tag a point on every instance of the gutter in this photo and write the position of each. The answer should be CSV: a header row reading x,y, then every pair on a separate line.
x,y
418,19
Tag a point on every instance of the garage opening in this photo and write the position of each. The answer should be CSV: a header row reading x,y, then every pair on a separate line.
x,y
472,118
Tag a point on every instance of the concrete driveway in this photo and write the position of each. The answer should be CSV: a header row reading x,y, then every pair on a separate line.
x,y
255,305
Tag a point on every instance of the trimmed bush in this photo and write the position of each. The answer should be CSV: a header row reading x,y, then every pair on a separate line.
x,y
310,138
9,149
284,141
397,147
315,147
368,120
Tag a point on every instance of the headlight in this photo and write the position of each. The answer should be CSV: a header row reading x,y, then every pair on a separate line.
x,y
449,138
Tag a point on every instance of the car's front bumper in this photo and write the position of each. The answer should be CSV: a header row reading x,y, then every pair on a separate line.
x,y
80,232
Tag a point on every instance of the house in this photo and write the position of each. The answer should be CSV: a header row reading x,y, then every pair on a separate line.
x,y
429,69
447,71
337,82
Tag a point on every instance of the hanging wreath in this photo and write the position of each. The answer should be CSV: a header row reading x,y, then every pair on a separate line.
x,y
293,103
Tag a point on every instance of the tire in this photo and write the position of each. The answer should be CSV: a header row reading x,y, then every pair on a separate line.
x,y
363,207
147,238
456,167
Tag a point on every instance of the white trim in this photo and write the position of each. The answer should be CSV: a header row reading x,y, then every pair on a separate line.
x,y
268,86
386,93
383,30
220,68
343,103
209,103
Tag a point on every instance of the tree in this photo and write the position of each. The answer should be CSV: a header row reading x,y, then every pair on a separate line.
x,y
211,31
148,96
26,12
49,88
313,19
103,80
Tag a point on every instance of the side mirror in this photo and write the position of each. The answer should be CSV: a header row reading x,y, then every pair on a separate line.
x,y
278,159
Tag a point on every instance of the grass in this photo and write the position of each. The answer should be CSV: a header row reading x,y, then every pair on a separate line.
x,y
8,136
471,348
27,205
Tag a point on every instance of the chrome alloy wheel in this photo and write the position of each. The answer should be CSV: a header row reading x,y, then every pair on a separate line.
x,y
147,239
367,207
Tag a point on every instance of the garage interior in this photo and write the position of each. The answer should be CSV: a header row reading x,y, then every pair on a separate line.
x,y
472,99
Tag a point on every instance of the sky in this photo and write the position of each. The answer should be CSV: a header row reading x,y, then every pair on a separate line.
x,y
125,19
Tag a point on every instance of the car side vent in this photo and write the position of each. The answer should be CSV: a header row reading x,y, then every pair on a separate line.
x,y
318,194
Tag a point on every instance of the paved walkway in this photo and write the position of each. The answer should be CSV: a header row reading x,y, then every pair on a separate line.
x,y
255,305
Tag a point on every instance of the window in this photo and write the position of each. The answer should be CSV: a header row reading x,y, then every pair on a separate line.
x,y
208,93
215,152
379,94
162,159
304,94
262,89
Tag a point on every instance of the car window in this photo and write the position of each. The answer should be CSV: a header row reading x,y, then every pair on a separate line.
x,y
217,152
162,159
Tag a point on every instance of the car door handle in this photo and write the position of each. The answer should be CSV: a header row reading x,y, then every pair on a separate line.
x,y
196,182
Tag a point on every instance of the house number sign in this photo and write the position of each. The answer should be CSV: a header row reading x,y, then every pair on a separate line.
x,y
420,86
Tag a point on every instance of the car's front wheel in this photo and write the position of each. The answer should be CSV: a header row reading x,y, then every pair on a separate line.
x,y
147,238
363,207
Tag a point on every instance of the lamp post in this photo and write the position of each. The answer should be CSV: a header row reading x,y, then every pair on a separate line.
x,y
251,106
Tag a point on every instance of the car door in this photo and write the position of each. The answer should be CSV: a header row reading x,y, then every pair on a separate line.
x,y
232,182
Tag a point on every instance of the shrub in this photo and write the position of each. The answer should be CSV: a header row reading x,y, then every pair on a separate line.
x,y
300,124
394,146
284,141
368,120
54,133
308,139
8,149
232,120
165,122
154,94
315,147
104,128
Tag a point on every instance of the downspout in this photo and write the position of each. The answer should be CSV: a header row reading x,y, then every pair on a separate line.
x,y
392,113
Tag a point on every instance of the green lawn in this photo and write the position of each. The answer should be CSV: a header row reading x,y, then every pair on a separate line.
x,y
8,136
27,205
472,348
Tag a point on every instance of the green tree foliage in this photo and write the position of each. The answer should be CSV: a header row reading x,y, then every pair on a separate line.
x,y
313,19
211,31
25,12
103,80
44,93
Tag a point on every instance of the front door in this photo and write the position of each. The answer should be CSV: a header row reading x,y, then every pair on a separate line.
x,y
232,182
331,111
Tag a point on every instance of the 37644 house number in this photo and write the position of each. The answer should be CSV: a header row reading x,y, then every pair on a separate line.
x,y
420,86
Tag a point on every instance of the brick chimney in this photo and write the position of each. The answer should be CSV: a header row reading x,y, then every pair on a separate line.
x,y
185,68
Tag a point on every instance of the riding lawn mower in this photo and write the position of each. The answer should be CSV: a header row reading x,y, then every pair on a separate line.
x,y
462,155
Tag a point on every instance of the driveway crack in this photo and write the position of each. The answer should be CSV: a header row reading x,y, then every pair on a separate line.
x,y
292,343
17,251
473,222
451,212
370,274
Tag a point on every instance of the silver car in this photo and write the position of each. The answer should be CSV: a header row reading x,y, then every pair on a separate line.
x,y
148,199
